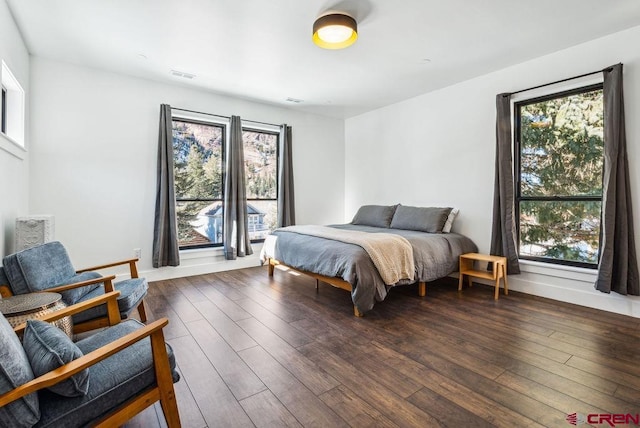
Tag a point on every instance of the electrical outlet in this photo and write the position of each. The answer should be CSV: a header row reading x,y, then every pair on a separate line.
x,y
137,252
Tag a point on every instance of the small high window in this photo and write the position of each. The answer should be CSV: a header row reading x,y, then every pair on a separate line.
x,y
12,105
3,112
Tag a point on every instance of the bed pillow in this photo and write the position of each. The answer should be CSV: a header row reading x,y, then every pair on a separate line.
x,y
423,219
452,216
48,348
374,215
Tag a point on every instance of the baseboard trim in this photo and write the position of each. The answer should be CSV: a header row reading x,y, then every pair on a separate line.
x,y
578,293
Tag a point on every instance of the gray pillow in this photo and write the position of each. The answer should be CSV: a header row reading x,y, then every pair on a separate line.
x,y
374,215
15,371
423,219
48,348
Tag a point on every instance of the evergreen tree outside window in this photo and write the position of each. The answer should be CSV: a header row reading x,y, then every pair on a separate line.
x,y
198,149
559,159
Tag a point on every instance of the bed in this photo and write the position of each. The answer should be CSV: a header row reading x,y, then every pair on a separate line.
x,y
329,258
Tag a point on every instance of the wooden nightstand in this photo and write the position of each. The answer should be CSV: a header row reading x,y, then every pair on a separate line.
x,y
499,270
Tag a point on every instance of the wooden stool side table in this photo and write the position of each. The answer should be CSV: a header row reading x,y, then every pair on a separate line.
x,y
499,270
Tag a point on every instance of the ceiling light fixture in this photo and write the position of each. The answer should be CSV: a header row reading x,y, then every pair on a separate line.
x,y
335,31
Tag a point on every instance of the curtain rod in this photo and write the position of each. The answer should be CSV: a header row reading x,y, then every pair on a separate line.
x,y
558,81
222,116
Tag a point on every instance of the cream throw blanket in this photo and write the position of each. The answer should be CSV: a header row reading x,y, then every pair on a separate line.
x,y
391,254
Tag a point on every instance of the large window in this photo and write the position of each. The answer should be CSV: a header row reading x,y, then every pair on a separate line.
x,y
261,172
198,149
559,170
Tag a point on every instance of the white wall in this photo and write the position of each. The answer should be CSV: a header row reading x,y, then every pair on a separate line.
x,y
438,149
14,162
93,155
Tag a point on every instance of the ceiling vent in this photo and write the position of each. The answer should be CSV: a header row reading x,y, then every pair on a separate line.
x,y
182,74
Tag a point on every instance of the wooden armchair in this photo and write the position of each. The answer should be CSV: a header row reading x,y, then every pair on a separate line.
x,y
131,368
47,267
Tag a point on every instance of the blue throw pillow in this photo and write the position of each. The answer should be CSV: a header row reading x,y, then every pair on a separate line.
x,y
48,348
15,370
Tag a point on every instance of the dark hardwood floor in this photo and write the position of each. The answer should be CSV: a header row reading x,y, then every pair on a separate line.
x,y
255,351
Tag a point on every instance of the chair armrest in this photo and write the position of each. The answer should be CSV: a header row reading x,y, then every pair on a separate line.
x,y
111,299
108,265
131,262
5,291
64,372
108,285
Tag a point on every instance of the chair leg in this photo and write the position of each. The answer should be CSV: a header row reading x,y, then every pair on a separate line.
x,y
142,312
164,380
170,408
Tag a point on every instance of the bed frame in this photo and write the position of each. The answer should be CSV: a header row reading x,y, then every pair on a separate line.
x,y
335,281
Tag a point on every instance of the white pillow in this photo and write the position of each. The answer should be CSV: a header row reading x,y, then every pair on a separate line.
x,y
452,216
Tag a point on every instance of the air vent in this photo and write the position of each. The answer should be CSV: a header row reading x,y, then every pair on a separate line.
x,y
293,100
182,74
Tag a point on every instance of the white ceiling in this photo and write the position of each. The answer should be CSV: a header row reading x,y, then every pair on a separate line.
x,y
262,49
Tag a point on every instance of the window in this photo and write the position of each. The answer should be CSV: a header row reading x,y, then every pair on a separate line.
x,y
559,169
3,112
198,149
197,166
12,114
261,172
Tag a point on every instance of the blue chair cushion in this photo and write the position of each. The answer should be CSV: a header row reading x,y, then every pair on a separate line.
x,y
42,267
71,297
112,381
15,371
38,268
132,291
48,348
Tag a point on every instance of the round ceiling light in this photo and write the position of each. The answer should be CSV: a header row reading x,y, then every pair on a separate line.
x,y
335,31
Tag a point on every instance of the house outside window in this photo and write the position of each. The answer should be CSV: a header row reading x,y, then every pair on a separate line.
x,y
198,149
559,158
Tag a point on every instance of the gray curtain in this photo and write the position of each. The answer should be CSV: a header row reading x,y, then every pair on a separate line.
x,y
235,234
165,229
286,205
503,229
618,266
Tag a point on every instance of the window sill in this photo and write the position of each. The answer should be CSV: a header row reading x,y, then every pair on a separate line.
x,y
12,147
559,271
195,253
198,253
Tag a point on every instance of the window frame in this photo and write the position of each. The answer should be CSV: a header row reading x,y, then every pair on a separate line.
x,y
517,144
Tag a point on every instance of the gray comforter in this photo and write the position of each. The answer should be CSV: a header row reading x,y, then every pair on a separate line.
x,y
436,256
